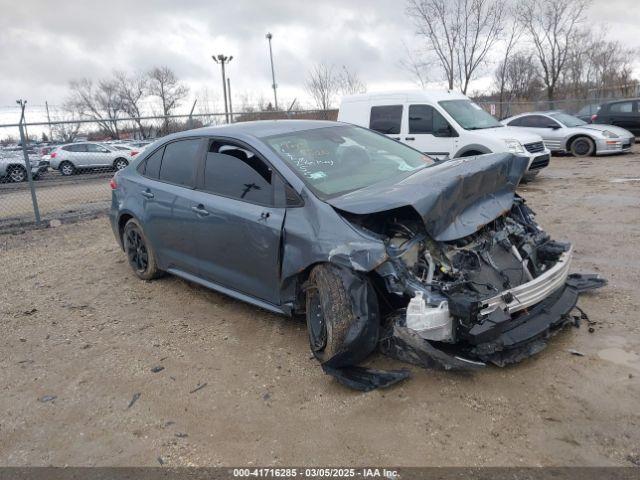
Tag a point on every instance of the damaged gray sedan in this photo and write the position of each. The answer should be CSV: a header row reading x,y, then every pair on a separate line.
x,y
436,264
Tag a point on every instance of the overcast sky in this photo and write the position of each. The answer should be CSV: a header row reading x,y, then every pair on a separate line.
x,y
46,43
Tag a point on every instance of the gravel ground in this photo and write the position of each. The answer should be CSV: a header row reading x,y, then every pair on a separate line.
x,y
80,336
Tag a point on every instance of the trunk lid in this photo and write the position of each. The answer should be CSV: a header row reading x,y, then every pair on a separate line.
x,y
454,198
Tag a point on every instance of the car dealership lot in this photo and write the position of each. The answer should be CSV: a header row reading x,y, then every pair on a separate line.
x,y
239,383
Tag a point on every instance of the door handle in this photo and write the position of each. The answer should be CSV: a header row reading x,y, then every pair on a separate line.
x,y
409,138
147,193
395,138
200,210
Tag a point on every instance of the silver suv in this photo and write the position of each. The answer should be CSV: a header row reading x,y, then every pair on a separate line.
x,y
12,167
76,156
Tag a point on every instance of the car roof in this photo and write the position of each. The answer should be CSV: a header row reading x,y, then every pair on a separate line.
x,y
621,100
257,129
406,95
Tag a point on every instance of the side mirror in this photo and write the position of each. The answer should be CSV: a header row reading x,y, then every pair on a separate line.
x,y
553,126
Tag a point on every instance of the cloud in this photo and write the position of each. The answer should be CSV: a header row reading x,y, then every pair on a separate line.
x,y
46,44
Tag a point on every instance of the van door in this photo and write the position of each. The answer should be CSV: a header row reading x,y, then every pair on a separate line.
x,y
428,131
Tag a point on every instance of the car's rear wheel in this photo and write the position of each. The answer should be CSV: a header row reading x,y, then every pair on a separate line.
x,y
329,312
17,174
583,147
140,253
67,168
120,163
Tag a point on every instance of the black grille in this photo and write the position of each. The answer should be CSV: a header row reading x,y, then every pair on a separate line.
x,y
534,147
539,162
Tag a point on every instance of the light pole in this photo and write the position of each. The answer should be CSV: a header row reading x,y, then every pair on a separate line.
x,y
221,59
268,36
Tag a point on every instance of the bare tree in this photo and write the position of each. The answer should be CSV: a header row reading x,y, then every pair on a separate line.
x,y
522,80
68,131
349,82
132,89
551,24
164,84
511,41
100,102
322,85
460,33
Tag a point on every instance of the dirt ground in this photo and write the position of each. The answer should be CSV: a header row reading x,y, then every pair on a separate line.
x,y
78,326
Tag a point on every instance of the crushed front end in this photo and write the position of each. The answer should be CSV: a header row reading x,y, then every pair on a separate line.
x,y
494,296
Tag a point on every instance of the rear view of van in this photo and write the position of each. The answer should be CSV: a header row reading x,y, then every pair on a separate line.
x,y
442,124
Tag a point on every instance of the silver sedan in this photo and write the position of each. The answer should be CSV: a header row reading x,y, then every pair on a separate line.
x,y
564,133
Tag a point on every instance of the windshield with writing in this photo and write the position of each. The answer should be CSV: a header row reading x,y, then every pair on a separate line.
x,y
336,160
469,115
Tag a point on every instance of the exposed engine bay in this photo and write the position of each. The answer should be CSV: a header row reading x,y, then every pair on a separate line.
x,y
493,296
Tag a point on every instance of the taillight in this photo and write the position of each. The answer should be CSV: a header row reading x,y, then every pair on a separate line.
x,y
594,117
53,154
133,153
113,184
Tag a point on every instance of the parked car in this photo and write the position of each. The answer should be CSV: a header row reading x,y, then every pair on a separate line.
x,y
587,112
87,155
621,113
140,144
441,124
371,239
564,133
14,169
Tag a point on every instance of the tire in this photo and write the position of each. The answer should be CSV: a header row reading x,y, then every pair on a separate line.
x,y
582,147
140,253
17,174
67,168
329,313
120,163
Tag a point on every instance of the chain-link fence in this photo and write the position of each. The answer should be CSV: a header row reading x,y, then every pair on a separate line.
x,y
582,107
63,171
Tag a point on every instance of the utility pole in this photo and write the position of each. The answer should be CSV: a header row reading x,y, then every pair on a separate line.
x,y
221,59
230,104
27,163
190,120
46,105
268,36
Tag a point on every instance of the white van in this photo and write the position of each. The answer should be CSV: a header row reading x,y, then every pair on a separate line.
x,y
442,124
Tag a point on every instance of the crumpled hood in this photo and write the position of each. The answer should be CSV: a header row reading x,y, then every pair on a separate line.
x,y
454,198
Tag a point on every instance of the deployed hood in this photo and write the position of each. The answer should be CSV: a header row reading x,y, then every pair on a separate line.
x,y
454,198
621,132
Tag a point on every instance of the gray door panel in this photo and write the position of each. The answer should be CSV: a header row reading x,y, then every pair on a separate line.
x,y
238,244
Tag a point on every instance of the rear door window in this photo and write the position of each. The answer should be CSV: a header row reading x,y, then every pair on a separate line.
x,y
386,119
622,107
235,172
180,162
82,147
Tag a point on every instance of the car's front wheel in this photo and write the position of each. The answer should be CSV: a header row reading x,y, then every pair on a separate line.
x,y
140,253
120,163
333,324
583,147
17,174
67,168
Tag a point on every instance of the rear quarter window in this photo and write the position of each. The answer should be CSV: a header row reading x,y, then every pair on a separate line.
x,y
386,119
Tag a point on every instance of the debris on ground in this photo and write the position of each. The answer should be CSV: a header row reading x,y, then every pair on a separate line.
x,y
199,387
181,435
575,352
157,369
135,398
47,398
